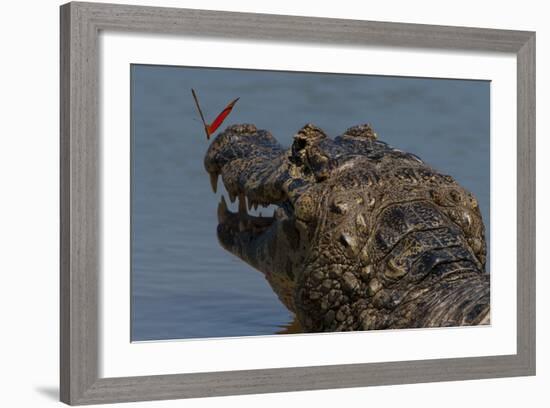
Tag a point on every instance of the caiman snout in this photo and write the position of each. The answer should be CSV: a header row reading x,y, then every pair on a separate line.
x,y
238,142
249,161
255,170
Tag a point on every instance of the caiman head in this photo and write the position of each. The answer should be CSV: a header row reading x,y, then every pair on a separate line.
x,y
364,236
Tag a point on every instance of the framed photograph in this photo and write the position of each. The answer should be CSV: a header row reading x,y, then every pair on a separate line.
x,y
260,203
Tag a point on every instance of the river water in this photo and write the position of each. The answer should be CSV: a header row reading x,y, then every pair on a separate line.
x,y
184,285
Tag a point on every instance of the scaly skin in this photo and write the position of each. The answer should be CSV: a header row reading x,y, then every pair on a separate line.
x,y
365,236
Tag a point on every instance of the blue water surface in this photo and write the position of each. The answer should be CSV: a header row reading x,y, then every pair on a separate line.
x,y
184,285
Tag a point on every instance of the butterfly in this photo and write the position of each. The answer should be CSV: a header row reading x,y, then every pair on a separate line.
x,y
211,128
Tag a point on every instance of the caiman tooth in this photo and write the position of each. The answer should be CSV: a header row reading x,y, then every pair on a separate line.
x,y
214,181
279,213
222,210
252,204
255,205
242,204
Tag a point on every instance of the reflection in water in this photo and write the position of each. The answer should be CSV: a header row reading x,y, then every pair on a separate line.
x,y
184,285
291,328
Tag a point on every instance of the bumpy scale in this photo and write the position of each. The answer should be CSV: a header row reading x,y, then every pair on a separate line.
x,y
365,236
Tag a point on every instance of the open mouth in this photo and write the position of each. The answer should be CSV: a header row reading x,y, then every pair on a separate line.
x,y
241,222
242,225
253,169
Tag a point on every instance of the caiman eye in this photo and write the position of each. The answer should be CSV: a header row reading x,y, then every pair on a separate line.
x,y
299,144
298,152
307,153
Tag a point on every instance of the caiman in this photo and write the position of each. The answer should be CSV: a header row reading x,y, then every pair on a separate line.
x,y
364,236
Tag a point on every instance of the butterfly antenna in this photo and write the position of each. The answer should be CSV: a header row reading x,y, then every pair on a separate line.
x,y
200,113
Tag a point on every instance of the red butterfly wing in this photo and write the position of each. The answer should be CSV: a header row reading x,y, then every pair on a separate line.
x,y
220,118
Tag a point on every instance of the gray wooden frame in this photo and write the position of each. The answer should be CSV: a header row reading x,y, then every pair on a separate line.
x,y
80,26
